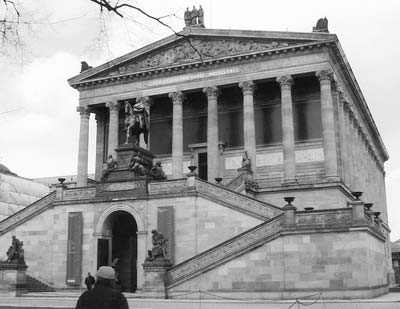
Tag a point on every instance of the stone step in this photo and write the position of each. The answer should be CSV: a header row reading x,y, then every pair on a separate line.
x,y
34,285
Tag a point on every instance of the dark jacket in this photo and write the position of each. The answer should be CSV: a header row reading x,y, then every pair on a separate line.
x,y
89,281
102,297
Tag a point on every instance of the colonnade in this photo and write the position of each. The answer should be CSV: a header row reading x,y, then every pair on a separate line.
x,y
212,93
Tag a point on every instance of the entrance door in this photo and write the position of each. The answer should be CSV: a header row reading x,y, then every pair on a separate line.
x,y
124,249
102,252
203,165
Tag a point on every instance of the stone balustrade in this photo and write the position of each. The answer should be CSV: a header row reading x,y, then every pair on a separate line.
x,y
221,253
26,213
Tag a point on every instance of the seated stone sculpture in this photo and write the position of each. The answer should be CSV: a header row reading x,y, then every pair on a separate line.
x,y
159,249
246,164
138,165
15,252
111,164
157,172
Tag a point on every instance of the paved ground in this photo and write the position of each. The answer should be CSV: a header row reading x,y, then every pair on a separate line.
x,y
59,300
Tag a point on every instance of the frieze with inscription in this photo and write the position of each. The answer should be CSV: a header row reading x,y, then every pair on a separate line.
x,y
195,50
77,194
167,186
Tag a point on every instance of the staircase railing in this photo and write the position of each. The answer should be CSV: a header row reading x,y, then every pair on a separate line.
x,y
26,213
237,184
237,201
224,252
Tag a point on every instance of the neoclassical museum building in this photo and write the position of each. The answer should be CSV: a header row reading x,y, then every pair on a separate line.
x,y
280,143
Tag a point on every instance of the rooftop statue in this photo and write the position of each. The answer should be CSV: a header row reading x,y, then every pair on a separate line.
x,y
194,17
85,66
322,25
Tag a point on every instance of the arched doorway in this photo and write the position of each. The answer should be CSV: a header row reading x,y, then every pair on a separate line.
x,y
121,244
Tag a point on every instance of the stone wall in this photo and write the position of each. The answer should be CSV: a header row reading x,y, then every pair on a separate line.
x,y
199,225
340,264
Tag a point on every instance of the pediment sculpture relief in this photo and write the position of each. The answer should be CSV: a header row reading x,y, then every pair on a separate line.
x,y
186,52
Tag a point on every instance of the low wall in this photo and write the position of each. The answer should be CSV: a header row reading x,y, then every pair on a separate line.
x,y
324,251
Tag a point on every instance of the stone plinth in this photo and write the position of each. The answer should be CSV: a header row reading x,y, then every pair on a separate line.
x,y
155,277
13,278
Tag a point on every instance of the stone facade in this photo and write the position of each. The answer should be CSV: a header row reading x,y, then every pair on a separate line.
x,y
263,116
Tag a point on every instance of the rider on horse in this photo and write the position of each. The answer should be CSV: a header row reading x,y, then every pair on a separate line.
x,y
137,120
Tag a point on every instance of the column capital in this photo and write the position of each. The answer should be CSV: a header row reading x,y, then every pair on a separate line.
x,y
83,110
325,75
177,97
247,87
113,105
211,92
285,81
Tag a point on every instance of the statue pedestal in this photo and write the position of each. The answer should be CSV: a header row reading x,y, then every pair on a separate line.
x,y
13,278
125,152
155,277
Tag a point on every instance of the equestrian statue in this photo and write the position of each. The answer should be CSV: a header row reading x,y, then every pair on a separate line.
x,y
137,120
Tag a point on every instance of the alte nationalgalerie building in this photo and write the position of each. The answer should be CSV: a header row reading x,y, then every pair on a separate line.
x,y
263,116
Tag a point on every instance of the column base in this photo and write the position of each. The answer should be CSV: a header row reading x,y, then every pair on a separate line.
x,y
289,182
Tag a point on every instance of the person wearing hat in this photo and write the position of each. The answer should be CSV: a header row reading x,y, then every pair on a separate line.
x,y
103,295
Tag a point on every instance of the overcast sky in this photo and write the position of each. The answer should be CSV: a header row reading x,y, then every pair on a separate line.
x,y
39,124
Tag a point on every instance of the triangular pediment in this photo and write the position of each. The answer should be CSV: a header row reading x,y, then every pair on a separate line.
x,y
203,45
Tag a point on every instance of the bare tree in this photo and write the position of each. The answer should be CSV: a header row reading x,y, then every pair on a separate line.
x,y
119,7
9,25
15,21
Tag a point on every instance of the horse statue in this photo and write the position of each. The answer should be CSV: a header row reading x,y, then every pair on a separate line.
x,y
137,121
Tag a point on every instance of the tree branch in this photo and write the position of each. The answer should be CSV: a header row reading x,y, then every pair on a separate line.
x,y
117,7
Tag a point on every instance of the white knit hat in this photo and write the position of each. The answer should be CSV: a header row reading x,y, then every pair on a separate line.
x,y
106,272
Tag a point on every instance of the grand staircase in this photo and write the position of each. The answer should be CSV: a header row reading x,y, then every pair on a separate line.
x,y
28,212
237,201
34,285
225,251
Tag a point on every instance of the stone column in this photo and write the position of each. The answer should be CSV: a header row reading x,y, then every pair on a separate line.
x,y
212,133
177,134
328,125
113,128
100,122
83,146
289,159
248,121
